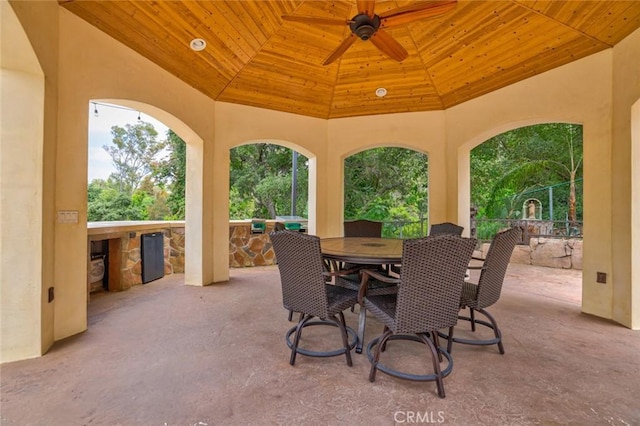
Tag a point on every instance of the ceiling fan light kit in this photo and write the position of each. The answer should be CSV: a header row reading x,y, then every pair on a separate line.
x,y
364,26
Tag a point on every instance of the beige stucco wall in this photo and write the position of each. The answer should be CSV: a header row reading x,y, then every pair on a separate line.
x,y
94,66
421,131
21,230
577,93
626,181
82,64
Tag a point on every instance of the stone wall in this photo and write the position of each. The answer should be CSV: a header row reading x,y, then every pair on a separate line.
x,y
121,243
247,249
548,252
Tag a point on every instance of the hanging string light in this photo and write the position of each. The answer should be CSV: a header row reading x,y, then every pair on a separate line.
x,y
96,113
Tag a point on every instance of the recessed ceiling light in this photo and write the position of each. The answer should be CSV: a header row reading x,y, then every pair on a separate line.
x,y
381,92
198,44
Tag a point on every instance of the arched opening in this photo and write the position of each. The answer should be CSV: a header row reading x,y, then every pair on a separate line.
x,y
531,175
193,237
270,182
391,185
530,178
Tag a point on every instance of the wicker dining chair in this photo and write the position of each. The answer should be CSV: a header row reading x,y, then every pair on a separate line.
x,y
305,290
446,228
362,228
428,299
478,297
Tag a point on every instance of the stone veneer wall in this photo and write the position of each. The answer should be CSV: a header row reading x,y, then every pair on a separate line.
x,y
247,249
549,252
130,254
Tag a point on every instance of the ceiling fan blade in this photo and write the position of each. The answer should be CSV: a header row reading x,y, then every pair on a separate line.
x,y
317,21
366,6
388,45
415,12
346,43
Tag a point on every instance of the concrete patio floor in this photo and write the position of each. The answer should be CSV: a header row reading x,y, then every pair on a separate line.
x,y
169,354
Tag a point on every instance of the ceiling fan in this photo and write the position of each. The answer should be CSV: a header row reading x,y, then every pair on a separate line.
x,y
367,25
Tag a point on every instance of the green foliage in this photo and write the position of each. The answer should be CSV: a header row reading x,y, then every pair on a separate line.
x,y
260,182
386,184
509,168
109,204
131,193
172,172
133,153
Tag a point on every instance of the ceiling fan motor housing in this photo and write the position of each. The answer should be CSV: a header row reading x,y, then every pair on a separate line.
x,y
364,26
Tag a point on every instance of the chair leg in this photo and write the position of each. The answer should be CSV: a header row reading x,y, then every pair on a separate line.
x,y
345,338
362,319
436,363
290,315
376,357
296,340
436,343
383,347
496,330
472,315
450,340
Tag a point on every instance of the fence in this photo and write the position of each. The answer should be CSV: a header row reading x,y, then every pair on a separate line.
x,y
485,229
405,229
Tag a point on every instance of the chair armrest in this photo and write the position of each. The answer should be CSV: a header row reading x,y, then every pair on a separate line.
x,y
366,273
341,272
476,268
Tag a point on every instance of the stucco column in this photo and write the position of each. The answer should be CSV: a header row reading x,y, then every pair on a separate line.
x,y
200,215
21,168
625,191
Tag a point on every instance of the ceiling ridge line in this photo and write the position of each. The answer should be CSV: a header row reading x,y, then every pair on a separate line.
x,y
252,57
590,37
426,68
177,35
339,63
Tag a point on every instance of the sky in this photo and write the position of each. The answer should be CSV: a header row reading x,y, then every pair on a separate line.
x,y
100,165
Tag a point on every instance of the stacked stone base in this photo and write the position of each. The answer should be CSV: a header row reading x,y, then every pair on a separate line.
x,y
548,252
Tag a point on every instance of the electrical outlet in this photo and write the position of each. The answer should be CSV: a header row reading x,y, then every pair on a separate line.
x,y
67,216
601,277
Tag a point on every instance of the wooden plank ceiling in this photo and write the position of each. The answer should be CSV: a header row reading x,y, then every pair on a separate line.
x,y
254,57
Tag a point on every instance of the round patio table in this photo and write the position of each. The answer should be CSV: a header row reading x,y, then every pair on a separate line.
x,y
362,251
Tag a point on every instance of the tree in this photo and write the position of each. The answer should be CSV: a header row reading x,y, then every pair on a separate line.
x,y
386,183
261,179
507,167
172,171
133,153
108,204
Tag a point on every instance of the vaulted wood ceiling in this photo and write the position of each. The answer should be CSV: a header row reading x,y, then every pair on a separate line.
x,y
254,57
